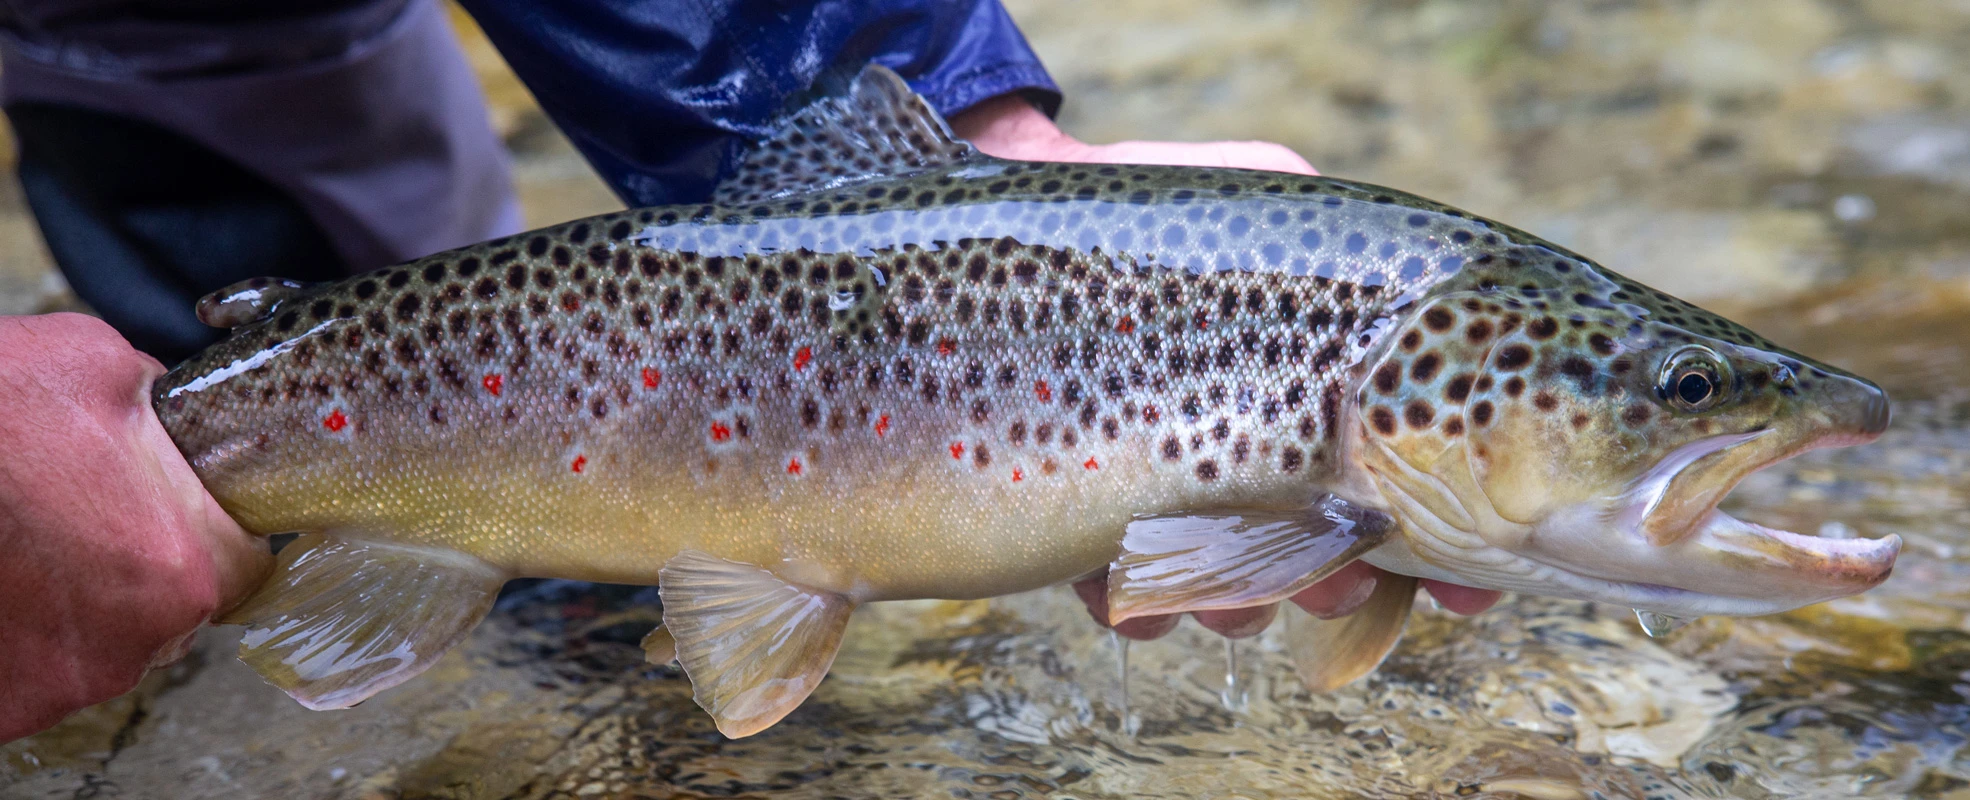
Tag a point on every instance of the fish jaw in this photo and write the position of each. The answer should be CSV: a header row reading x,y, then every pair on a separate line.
x,y
1726,566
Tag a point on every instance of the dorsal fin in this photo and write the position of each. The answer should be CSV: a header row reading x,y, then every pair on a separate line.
x,y
878,129
246,301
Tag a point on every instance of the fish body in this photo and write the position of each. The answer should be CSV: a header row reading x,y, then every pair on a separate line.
x,y
965,377
978,385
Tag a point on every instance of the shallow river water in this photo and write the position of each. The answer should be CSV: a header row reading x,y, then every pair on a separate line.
x,y
1800,166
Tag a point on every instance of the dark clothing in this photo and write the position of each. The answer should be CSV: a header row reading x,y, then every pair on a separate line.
x,y
146,221
364,111
661,97
354,133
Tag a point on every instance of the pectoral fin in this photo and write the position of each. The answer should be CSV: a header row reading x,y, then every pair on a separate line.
x,y
342,619
1331,653
753,645
1180,563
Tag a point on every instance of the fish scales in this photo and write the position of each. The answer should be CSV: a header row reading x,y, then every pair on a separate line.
x,y
882,366
1016,359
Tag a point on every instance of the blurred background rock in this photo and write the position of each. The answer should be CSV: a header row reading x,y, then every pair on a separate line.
x,y
1724,150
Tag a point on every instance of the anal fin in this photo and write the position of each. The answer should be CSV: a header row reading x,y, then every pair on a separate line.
x,y
343,619
1332,653
754,645
1179,563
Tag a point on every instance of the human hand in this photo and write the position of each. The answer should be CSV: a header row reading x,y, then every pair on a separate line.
x,y
114,552
1009,127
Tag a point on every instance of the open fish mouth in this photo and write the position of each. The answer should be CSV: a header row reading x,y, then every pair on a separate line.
x,y
1673,510
1664,546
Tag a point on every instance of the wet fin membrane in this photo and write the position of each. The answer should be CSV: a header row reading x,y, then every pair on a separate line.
x,y
343,619
754,645
877,131
1332,653
1181,563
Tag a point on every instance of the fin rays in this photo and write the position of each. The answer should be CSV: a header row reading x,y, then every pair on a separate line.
x,y
878,130
344,619
1179,563
754,645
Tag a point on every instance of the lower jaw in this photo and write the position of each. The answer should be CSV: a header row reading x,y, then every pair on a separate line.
x,y
1538,578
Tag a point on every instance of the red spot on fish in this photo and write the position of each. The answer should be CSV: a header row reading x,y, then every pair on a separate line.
x,y
946,347
335,421
793,467
882,425
720,432
1041,391
578,463
651,377
803,358
957,449
492,383
1090,464
1203,320
1127,325
1017,476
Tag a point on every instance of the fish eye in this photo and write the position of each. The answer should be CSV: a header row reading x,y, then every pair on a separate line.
x,y
1692,379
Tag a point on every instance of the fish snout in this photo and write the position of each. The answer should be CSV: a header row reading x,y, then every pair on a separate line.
x,y
1874,416
1857,410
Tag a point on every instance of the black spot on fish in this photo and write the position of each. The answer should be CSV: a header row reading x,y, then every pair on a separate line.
x,y
1579,369
1439,319
1418,414
408,306
1425,367
1514,357
1383,419
1388,378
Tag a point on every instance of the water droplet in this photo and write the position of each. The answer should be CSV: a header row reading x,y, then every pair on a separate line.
x,y
1233,696
1131,724
1659,625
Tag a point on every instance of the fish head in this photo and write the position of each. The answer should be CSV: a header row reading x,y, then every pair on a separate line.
x,y
1572,433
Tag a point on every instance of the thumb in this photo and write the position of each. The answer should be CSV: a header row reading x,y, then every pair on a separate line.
x,y
241,561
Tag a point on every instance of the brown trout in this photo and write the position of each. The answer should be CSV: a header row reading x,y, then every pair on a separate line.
x,y
882,366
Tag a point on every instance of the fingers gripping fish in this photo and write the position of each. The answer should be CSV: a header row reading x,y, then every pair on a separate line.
x,y
881,366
